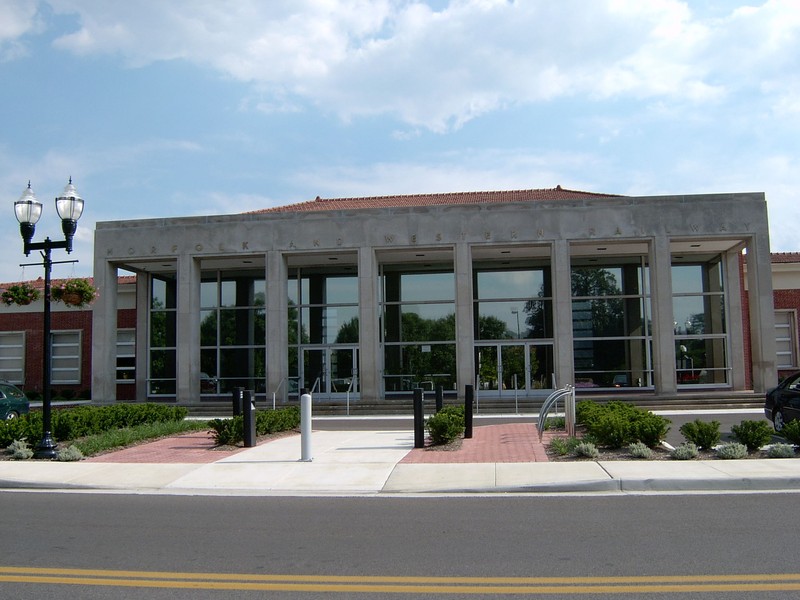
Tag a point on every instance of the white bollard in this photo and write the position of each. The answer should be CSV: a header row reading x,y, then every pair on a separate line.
x,y
305,427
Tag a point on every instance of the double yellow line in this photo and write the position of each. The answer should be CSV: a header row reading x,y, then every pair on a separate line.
x,y
405,585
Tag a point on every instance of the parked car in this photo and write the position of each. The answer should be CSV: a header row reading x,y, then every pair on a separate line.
x,y
13,401
783,402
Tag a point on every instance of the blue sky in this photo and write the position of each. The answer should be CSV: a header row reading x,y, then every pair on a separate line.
x,y
187,107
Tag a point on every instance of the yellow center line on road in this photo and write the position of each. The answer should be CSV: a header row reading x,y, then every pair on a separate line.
x,y
407,585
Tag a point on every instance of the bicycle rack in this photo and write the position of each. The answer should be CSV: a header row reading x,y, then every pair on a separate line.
x,y
567,392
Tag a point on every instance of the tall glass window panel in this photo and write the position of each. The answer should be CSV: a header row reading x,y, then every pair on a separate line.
x,y
700,321
513,304
418,319
162,336
232,332
611,322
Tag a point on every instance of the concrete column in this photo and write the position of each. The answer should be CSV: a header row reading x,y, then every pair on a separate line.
x,y
663,322
142,341
370,358
277,316
762,313
465,327
188,331
104,333
563,350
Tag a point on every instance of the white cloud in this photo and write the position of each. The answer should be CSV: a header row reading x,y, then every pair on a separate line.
x,y
441,68
19,18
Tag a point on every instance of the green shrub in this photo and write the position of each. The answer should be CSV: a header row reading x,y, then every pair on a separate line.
x,y
753,434
648,428
704,435
446,425
585,411
563,446
586,449
229,432
617,424
69,454
25,427
80,421
555,423
611,430
732,450
686,451
781,451
791,432
20,450
640,450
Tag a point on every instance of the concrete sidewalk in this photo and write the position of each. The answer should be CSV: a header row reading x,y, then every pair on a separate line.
x,y
384,462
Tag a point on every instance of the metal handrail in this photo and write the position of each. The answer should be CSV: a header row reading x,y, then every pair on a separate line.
x,y
275,393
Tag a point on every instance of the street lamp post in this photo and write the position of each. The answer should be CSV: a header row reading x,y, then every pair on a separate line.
x,y
28,209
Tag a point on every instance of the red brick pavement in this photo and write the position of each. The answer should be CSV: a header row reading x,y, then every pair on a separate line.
x,y
505,443
196,448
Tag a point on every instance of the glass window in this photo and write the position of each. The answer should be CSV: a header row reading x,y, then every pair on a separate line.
x,y
610,323
12,356
126,355
66,357
232,332
700,328
786,338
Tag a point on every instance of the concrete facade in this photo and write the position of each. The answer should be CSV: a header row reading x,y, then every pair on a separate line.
x,y
459,232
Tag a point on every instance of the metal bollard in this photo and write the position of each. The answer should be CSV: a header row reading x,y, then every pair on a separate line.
x,y
249,414
419,419
439,398
305,427
237,398
469,395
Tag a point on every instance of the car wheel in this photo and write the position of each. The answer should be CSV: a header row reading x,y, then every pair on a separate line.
x,y
778,421
11,415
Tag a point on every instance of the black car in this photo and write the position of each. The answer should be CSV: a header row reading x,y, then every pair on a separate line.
x,y
783,403
13,401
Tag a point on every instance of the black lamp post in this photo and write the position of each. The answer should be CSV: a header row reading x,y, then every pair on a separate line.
x,y
28,209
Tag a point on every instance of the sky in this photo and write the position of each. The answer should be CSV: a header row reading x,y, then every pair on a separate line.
x,y
205,107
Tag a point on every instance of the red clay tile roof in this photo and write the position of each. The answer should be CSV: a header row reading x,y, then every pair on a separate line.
x,y
556,193
785,257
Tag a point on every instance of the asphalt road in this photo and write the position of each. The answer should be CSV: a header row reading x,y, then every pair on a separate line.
x,y
130,546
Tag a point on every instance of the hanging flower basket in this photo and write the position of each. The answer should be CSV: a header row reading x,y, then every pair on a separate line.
x,y
21,293
74,292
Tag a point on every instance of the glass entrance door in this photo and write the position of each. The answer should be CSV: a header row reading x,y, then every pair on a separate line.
x,y
509,369
331,372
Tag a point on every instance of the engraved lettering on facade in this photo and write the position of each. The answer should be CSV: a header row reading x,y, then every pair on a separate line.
x,y
414,238
389,239
591,232
291,245
618,231
540,233
153,250
316,243
438,237
487,235
198,247
244,246
174,248
694,227
723,227
339,241
514,234
131,251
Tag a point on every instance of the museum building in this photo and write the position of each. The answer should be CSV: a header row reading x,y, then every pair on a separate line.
x,y
362,300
